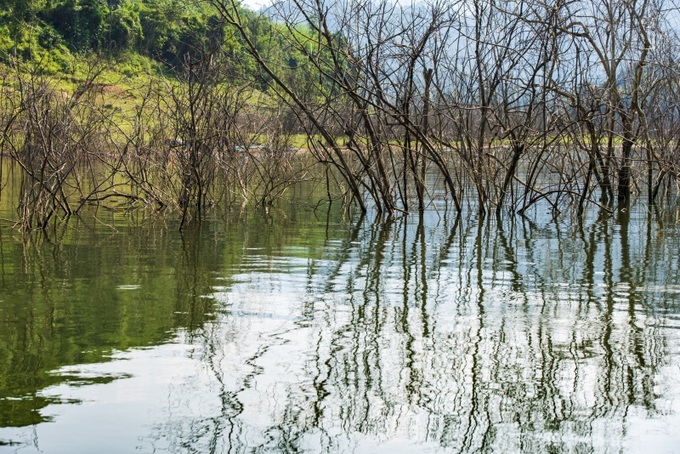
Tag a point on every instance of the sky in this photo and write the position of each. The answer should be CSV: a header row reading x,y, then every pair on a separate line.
x,y
255,4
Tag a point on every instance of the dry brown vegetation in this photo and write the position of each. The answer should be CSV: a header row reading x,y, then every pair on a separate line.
x,y
178,146
569,103
502,105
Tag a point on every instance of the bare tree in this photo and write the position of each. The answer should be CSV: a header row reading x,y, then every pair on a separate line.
x,y
617,39
502,105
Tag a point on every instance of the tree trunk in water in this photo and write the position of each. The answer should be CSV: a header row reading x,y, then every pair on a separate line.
x,y
623,194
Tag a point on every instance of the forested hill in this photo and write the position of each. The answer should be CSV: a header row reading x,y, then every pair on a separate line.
x,y
51,31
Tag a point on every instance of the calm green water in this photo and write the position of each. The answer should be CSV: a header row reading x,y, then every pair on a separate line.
x,y
302,332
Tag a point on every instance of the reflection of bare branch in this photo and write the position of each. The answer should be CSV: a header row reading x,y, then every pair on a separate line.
x,y
470,332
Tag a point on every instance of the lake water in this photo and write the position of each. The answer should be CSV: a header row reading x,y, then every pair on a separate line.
x,y
307,331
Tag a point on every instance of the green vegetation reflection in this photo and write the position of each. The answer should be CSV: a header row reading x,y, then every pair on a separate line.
x,y
91,291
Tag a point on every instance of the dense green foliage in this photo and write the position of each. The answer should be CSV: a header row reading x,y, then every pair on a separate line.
x,y
167,31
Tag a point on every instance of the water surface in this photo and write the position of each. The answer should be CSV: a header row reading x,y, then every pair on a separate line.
x,y
307,331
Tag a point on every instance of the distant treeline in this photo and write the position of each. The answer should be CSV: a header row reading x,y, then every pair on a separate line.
x,y
166,31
